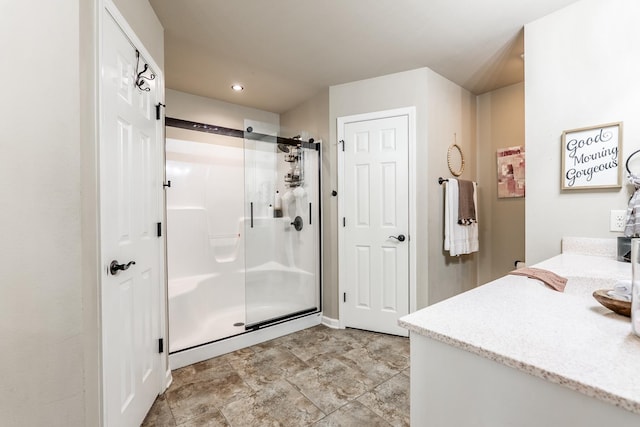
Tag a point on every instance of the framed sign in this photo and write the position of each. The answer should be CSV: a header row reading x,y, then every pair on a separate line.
x,y
591,157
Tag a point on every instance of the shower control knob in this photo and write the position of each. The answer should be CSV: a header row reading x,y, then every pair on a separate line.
x,y
297,223
114,267
400,238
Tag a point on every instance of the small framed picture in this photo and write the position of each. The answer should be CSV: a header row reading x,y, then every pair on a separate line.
x,y
591,157
511,172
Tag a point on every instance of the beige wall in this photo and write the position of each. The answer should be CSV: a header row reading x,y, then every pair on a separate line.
x,y
451,110
312,116
582,66
442,109
91,263
502,225
41,328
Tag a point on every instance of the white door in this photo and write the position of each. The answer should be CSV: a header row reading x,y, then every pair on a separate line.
x,y
374,258
130,200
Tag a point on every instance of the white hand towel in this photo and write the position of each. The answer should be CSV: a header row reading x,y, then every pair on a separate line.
x,y
621,297
621,290
458,239
622,287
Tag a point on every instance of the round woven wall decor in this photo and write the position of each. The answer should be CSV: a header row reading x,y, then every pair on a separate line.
x,y
458,170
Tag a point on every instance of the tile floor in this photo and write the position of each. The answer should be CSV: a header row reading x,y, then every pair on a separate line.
x,y
316,377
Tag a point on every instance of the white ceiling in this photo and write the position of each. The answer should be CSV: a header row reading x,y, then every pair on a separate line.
x,y
285,51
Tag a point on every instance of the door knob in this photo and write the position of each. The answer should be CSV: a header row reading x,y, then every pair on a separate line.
x,y
400,238
114,267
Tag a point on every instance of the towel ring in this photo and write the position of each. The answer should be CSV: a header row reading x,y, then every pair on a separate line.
x,y
626,165
457,172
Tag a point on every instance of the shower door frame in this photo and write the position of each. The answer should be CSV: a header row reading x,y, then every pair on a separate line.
x,y
272,328
255,144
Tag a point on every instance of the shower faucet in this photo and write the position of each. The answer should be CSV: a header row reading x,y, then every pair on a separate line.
x,y
298,223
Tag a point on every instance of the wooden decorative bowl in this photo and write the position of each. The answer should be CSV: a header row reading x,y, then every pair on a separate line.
x,y
615,305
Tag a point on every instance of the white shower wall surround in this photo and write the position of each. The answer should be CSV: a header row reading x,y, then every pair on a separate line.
x,y
205,251
216,285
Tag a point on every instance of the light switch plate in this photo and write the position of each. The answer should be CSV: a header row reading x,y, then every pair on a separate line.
x,y
617,220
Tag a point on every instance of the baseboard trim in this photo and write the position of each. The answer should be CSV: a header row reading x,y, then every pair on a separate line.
x,y
331,323
168,379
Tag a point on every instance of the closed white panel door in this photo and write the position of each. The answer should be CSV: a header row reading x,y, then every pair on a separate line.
x,y
130,199
375,260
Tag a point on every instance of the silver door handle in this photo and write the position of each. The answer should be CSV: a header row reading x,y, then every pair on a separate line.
x,y
114,267
400,238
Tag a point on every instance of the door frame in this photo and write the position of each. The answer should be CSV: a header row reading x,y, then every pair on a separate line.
x,y
410,112
164,370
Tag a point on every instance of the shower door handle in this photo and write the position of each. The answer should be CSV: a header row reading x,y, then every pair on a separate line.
x,y
114,267
400,238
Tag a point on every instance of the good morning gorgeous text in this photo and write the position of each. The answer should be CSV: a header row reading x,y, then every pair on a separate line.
x,y
596,160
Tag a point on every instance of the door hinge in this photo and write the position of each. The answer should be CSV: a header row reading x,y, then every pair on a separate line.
x,y
158,106
159,229
160,345
344,297
344,221
342,142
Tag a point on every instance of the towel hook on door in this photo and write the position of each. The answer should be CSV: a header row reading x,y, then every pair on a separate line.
x,y
141,80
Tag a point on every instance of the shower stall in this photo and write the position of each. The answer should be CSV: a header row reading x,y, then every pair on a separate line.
x,y
243,236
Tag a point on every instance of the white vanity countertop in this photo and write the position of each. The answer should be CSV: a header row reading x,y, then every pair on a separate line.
x,y
567,338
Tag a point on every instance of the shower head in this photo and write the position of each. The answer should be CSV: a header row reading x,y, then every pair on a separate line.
x,y
283,147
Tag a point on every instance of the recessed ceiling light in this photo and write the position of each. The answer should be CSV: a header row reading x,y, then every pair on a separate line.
x,y
237,87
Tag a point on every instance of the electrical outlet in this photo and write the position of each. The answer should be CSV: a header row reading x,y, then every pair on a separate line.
x,y
617,220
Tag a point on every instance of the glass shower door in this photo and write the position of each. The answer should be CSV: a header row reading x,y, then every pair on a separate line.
x,y
281,239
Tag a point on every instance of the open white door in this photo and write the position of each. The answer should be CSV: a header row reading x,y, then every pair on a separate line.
x,y
131,250
374,221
